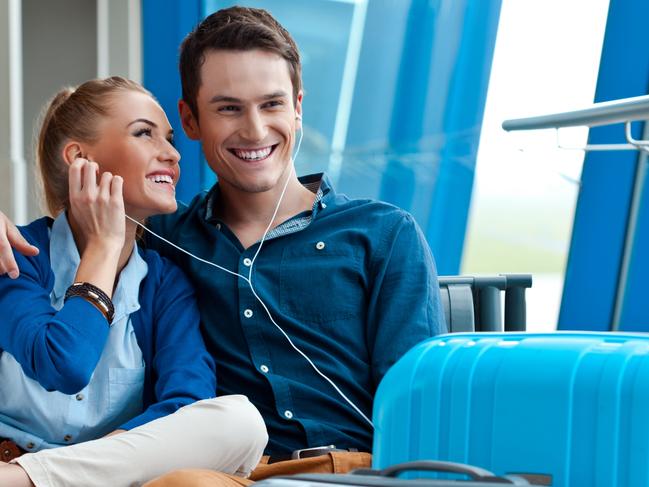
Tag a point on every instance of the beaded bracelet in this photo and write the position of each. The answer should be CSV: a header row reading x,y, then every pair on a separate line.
x,y
94,296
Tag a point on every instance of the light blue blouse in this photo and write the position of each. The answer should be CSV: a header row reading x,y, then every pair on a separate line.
x,y
37,419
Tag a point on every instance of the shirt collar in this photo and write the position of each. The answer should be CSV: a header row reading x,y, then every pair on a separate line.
x,y
65,259
318,183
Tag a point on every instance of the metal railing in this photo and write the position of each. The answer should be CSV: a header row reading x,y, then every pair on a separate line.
x,y
626,110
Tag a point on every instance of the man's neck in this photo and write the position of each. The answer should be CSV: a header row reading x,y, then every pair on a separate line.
x,y
248,214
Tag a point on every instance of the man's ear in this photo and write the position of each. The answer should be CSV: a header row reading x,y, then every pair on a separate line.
x,y
189,122
298,110
73,150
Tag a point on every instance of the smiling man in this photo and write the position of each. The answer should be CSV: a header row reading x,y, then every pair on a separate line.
x,y
321,294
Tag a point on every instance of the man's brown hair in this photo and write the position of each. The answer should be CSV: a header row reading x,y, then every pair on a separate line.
x,y
237,29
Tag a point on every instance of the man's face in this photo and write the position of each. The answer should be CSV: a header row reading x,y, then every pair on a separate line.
x,y
246,118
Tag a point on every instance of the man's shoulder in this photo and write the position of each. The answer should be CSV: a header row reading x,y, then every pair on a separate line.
x,y
185,214
368,211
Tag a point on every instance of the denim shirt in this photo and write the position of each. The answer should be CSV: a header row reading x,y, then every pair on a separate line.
x,y
36,418
351,282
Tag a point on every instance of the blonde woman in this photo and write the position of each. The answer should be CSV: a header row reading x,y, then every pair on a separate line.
x,y
99,338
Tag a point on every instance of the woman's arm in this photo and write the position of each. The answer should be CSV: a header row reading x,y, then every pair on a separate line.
x,y
60,349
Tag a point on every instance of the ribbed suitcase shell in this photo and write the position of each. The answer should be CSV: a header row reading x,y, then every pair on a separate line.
x,y
573,406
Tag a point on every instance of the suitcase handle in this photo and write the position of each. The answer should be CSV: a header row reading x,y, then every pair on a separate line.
x,y
475,473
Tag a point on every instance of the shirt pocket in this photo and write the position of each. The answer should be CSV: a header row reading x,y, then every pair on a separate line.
x,y
125,388
321,282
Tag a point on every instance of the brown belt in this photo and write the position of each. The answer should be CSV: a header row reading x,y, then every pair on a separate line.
x,y
9,450
308,453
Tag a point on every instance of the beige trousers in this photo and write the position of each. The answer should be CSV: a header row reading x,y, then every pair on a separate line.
x,y
225,434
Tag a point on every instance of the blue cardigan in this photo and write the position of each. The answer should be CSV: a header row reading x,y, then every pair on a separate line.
x,y
60,349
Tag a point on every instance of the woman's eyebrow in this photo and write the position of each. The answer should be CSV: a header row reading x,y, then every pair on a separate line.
x,y
144,120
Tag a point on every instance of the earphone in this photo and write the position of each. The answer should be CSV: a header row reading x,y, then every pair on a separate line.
x,y
250,283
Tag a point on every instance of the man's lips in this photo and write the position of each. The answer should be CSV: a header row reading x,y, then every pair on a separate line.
x,y
255,154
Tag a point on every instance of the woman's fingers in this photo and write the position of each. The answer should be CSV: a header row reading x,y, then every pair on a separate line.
x,y
104,186
75,176
117,185
90,171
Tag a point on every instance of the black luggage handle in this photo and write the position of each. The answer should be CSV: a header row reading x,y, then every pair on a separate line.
x,y
475,473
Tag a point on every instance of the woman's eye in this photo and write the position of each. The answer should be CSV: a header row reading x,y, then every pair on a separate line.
x,y
171,141
142,131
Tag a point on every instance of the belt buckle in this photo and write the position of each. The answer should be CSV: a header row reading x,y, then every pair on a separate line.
x,y
315,451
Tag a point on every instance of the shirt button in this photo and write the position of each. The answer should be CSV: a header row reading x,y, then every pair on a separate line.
x,y
320,245
79,397
247,262
67,438
29,445
288,414
264,369
324,205
247,313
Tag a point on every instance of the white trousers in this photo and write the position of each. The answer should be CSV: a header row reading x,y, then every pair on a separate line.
x,y
226,434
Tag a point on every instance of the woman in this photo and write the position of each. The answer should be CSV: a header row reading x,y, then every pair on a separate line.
x,y
100,338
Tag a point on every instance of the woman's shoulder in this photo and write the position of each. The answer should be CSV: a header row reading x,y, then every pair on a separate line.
x,y
37,232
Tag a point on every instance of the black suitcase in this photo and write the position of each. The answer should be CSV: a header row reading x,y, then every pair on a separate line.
x,y
474,477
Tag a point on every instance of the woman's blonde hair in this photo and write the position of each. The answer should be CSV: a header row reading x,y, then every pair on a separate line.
x,y
72,114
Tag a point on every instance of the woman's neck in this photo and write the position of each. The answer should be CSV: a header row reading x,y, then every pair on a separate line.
x,y
125,252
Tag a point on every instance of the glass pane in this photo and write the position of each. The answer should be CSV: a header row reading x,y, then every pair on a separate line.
x,y
546,60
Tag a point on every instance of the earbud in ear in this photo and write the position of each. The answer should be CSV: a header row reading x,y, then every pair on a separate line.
x,y
298,117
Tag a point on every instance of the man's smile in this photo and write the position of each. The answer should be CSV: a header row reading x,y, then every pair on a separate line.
x,y
257,154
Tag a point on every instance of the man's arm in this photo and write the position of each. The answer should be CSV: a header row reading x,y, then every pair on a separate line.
x,y
405,306
10,238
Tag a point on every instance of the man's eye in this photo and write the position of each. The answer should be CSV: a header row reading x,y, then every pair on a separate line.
x,y
172,141
142,131
228,108
274,103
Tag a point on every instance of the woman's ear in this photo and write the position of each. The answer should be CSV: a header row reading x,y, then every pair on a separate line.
x,y
73,150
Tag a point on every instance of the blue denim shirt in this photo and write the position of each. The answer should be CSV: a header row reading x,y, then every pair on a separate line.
x,y
352,282
36,418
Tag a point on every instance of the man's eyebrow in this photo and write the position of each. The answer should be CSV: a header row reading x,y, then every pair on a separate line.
x,y
275,94
143,120
231,99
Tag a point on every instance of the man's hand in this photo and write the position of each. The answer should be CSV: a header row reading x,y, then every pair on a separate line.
x,y
11,237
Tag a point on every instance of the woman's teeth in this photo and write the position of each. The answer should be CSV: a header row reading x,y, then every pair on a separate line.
x,y
160,178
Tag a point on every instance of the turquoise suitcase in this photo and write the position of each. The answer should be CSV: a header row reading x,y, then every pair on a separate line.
x,y
561,409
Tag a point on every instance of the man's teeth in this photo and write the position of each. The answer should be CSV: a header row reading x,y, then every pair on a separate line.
x,y
253,155
160,178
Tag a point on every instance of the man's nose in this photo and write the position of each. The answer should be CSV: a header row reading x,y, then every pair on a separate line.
x,y
254,126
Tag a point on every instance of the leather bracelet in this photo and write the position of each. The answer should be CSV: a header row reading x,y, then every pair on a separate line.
x,y
94,296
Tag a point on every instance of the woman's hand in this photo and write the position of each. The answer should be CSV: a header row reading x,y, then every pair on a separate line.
x,y
97,219
10,238
97,208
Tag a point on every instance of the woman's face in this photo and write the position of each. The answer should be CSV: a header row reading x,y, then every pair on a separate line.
x,y
136,142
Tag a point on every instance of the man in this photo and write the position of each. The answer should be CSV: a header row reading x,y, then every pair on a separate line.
x,y
330,292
